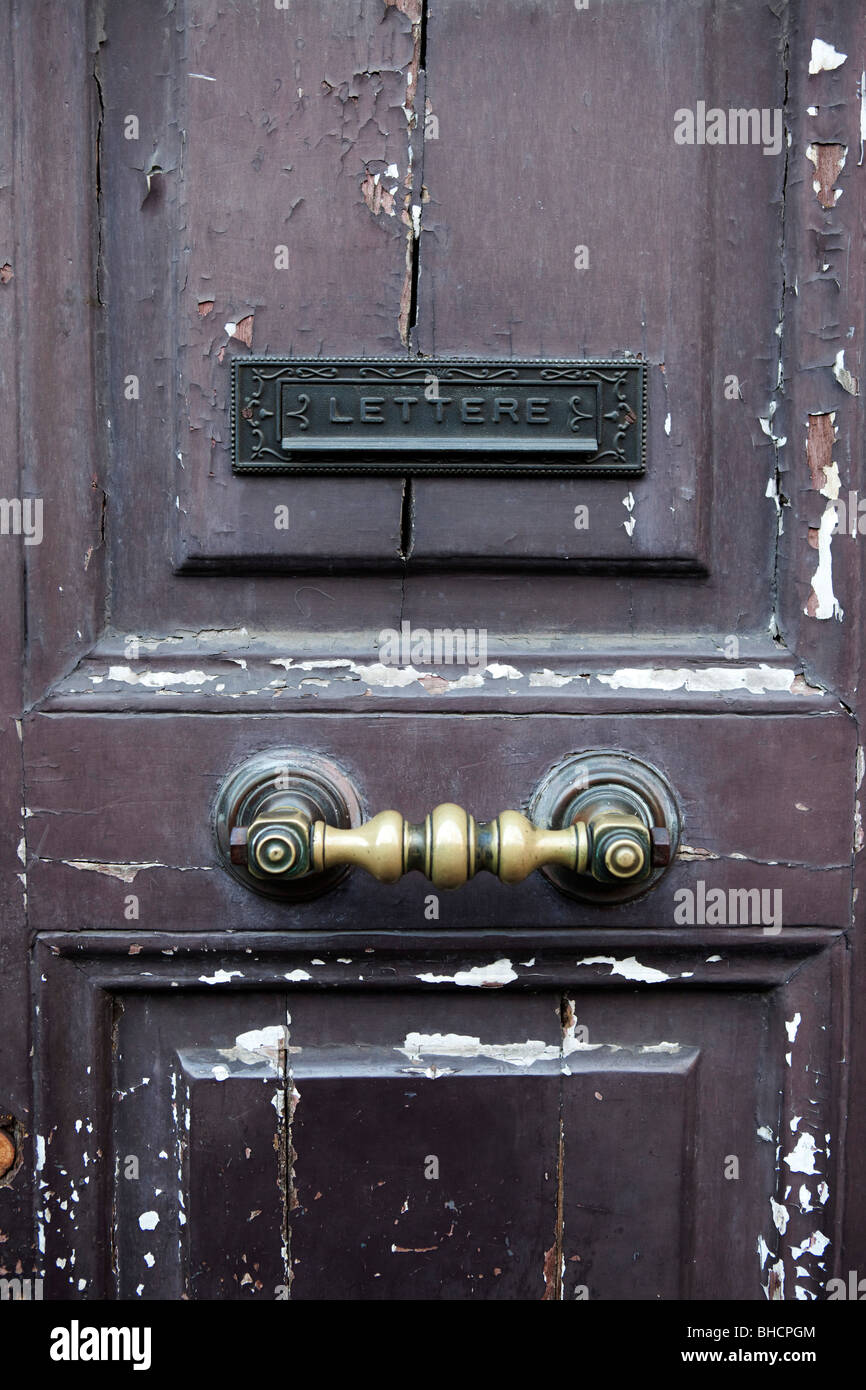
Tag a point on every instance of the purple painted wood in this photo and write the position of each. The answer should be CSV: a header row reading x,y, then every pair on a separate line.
x,y
707,638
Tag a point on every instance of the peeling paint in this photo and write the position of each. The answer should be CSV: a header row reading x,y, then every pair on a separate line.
x,y
780,1216
156,680
629,969
845,379
829,160
500,972
519,1054
801,1159
775,1285
758,680
824,57
126,873
822,603
258,1045
792,1027
242,331
816,1244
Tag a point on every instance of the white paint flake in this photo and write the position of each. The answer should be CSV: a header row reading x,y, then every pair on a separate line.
x,y
220,1072
499,972
629,969
220,977
801,1159
258,1045
149,1260
551,679
824,57
149,1220
766,423
417,1046
297,975
792,1026
778,1269
764,1132
816,1244
845,379
832,484
758,680
157,680
822,580
124,873
780,1216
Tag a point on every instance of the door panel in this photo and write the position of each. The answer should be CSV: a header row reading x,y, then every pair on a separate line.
x,y
753,818
639,1100
595,1128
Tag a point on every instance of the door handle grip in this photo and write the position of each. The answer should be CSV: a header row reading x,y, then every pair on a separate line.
x,y
601,826
448,847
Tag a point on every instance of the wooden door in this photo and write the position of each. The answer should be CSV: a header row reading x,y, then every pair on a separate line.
x,y
398,1091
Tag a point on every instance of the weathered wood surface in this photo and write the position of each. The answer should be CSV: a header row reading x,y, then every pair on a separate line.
x,y
163,621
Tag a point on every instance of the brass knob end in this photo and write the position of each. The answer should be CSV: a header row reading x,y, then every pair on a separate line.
x,y
279,845
624,858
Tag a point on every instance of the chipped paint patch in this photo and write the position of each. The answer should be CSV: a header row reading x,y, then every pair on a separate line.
x,y
780,1216
258,1045
500,972
845,379
816,1244
822,603
220,977
758,680
551,679
824,57
775,1285
792,1027
766,423
417,1046
829,160
242,331
801,1159
155,680
832,482
820,439
126,873
377,197
629,969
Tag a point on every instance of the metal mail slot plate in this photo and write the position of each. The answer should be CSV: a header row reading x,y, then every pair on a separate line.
x,y
395,415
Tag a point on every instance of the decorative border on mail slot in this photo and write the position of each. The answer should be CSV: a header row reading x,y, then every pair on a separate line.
x,y
453,416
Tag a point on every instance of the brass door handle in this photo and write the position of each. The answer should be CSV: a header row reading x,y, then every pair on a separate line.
x,y
282,832
449,847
